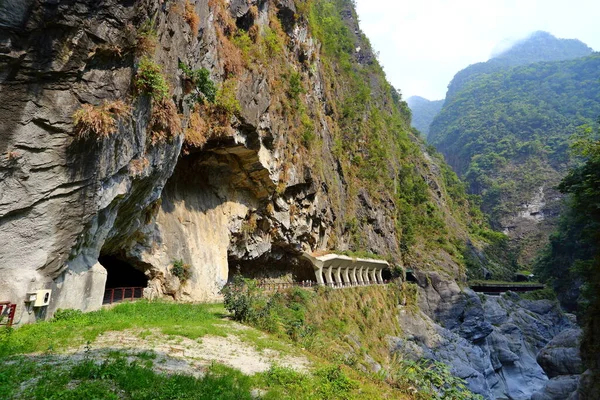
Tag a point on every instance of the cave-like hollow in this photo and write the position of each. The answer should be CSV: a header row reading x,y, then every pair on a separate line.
x,y
274,267
124,281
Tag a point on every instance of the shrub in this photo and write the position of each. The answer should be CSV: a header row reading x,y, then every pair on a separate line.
x,y
282,313
196,134
226,102
165,122
202,86
181,270
241,297
100,121
295,86
426,379
272,42
308,130
190,16
146,39
150,80
243,42
334,383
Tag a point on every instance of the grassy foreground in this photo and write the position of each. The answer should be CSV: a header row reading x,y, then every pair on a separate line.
x,y
119,378
71,328
32,366
341,332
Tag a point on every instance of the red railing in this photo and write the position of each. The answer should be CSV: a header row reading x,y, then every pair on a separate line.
x,y
117,295
7,313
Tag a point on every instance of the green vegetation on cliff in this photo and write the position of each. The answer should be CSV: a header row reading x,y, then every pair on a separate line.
x,y
507,132
378,151
571,261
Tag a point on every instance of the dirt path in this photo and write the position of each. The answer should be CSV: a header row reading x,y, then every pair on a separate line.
x,y
177,354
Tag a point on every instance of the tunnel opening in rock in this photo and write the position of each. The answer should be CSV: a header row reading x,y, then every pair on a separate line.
x,y
387,274
273,267
410,277
121,273
123,281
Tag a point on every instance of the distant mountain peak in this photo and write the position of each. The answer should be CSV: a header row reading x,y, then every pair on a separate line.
x,y
539,46
542,46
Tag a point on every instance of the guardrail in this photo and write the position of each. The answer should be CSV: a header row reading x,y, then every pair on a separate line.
x,y
498,288
269,286
7,313
117,295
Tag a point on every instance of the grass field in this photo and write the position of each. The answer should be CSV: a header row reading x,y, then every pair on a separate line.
x,y
35,362
308,345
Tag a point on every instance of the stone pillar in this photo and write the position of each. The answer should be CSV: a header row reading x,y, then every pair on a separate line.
x,y
328,275
338,277
318,267
353,277
360,276
346,277
372,276
365,276
380,275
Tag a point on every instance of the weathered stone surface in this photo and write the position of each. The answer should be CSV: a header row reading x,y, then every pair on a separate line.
x,y
87,283
244,199
558,388
61,199
490,341
561,356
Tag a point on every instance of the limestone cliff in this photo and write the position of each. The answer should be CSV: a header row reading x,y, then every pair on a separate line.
x,y
305,147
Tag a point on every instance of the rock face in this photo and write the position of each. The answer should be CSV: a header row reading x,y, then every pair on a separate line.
x,y
251,198
561,361
561,356
61,198
490,341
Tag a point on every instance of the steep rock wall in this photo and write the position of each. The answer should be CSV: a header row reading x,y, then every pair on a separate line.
x,y
306,148
62,198
64,201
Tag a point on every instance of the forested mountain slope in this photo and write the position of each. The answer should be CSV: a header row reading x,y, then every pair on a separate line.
x,y
570,263
539,46
423,112
507,134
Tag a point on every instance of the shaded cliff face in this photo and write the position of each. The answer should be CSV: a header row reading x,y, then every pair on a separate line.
x,y
305,148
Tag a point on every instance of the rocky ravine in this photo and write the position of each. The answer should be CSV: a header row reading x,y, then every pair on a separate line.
x,y
503,346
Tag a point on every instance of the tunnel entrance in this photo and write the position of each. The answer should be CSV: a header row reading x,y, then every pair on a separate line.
x,y
273,267
410,276
123,281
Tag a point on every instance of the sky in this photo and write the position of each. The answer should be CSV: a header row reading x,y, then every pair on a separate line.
x,y
423,43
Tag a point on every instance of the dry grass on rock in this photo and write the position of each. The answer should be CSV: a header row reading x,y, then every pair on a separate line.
x,y
99,121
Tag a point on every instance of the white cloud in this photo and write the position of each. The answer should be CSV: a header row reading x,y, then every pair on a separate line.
x,y
423,43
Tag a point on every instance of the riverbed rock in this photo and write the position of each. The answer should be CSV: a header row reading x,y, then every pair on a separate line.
x,y
558,388
561,356
490,341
